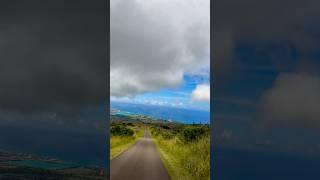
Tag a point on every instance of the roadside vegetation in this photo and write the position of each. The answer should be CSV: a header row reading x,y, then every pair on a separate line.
x,y
184,149
122,136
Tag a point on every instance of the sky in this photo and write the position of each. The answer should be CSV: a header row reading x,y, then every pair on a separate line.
x,y
53,55
53,78
266,66
160,53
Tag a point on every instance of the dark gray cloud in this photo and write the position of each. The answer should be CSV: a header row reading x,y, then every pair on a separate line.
x,y
289,24
53,54
285,35
292,101
267,52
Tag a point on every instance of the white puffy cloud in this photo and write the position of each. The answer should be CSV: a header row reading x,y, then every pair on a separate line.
x,y
159,101
155,42
201,93
293,100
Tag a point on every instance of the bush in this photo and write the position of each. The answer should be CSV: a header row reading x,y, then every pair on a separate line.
x,y
163,132
155,131
130,124
167,135
165,127
121,131
189,134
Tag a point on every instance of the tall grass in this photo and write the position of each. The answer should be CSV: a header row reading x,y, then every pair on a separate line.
x,y
119,143
184,160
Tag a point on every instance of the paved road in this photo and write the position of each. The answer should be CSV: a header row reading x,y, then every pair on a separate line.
x,y
140,162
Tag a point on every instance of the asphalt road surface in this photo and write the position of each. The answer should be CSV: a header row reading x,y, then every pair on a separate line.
x,y
139,162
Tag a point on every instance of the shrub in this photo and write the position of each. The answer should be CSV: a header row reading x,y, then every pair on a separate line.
x,y
121,131
189,134
165,127
167,135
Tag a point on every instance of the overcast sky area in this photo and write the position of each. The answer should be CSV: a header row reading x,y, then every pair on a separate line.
x,y
267,78
160,52
53,77
53,56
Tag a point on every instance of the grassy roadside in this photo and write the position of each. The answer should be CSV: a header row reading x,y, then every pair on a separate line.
x,y
185,158
121,142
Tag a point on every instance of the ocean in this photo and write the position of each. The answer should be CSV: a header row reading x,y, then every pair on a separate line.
x,y
229,164
80,139
78,147
186,116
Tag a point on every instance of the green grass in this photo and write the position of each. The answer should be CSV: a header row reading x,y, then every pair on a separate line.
x,y
184,160
118,144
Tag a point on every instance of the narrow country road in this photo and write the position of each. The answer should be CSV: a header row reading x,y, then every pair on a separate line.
x,y
140,162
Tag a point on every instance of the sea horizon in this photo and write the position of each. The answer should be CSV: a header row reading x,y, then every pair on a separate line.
x,y
174,114
82,148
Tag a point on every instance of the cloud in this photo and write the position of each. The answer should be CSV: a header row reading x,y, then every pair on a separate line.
x,y
158,101
253,43
201,93
82,121
232,118
227,134
154,43
289,24
54,59
224,45
292,101
235,101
